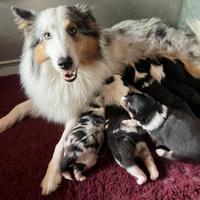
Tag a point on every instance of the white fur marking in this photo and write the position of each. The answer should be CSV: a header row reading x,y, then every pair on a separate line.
x,y
157,72
157,120
140,176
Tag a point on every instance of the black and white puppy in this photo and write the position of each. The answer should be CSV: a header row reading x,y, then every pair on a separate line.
x,y
175,129
166,81
83,143
125,143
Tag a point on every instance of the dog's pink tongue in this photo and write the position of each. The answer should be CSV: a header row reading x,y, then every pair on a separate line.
x,y
70,75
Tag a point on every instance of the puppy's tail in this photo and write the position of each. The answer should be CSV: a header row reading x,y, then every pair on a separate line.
x,y
195,27
68,162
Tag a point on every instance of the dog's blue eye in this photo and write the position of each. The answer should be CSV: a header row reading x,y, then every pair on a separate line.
x,y
47,35
72,30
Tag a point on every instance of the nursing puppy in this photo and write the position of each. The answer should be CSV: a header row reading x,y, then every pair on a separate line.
x,y
165,81
83,143
147,84
174,129
124,142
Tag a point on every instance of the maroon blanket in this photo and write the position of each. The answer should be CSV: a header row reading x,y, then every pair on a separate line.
x,y
26,149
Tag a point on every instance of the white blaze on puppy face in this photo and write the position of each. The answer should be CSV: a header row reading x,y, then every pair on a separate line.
x,y
157,72
156,120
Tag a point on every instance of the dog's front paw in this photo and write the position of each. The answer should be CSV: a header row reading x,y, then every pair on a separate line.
x,y
4,124
52,179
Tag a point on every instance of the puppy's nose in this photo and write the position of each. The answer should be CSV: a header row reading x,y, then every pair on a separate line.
x,y
65,63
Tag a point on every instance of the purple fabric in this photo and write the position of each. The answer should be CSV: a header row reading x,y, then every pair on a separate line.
x,y
27,147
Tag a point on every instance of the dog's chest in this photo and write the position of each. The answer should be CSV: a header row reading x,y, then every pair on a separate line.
x,y
54,98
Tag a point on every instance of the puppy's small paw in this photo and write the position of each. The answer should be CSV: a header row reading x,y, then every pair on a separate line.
x,y
79,177
141,179
67,176
160,152
82,178
154,175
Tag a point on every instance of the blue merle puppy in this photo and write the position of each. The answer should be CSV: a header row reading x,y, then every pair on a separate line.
x,y
83,143
125,143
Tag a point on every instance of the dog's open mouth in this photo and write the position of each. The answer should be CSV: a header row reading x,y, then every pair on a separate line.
x,y
69,75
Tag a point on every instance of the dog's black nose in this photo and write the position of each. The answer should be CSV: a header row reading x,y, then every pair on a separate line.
x,y
65,63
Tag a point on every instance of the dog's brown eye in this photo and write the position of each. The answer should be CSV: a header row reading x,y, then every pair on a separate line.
x,y
72,30
47,35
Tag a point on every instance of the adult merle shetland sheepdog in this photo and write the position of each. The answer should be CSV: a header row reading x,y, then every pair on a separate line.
x,y
66,58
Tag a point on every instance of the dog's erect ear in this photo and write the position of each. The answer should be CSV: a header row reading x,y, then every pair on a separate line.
x,y
24,18
82,11
82,16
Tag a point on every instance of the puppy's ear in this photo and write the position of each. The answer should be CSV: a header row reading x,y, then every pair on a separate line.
x,y
130,123
23,18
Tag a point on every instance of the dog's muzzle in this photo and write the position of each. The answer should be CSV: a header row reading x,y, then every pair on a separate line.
x,y
69,75
69,71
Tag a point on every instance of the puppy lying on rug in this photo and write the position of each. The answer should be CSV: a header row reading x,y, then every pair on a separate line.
x,y
83,143
124,142
177,130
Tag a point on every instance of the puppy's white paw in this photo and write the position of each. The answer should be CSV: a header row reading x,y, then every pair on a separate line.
x,y
52,179
79,176
140,176
141,179
161,152
67,176
164,153
154,174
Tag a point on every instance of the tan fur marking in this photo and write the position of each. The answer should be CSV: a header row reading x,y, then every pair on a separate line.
x,y
112,93
142,151
134,90
67,23
190,68
40,54
87,49
157,72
